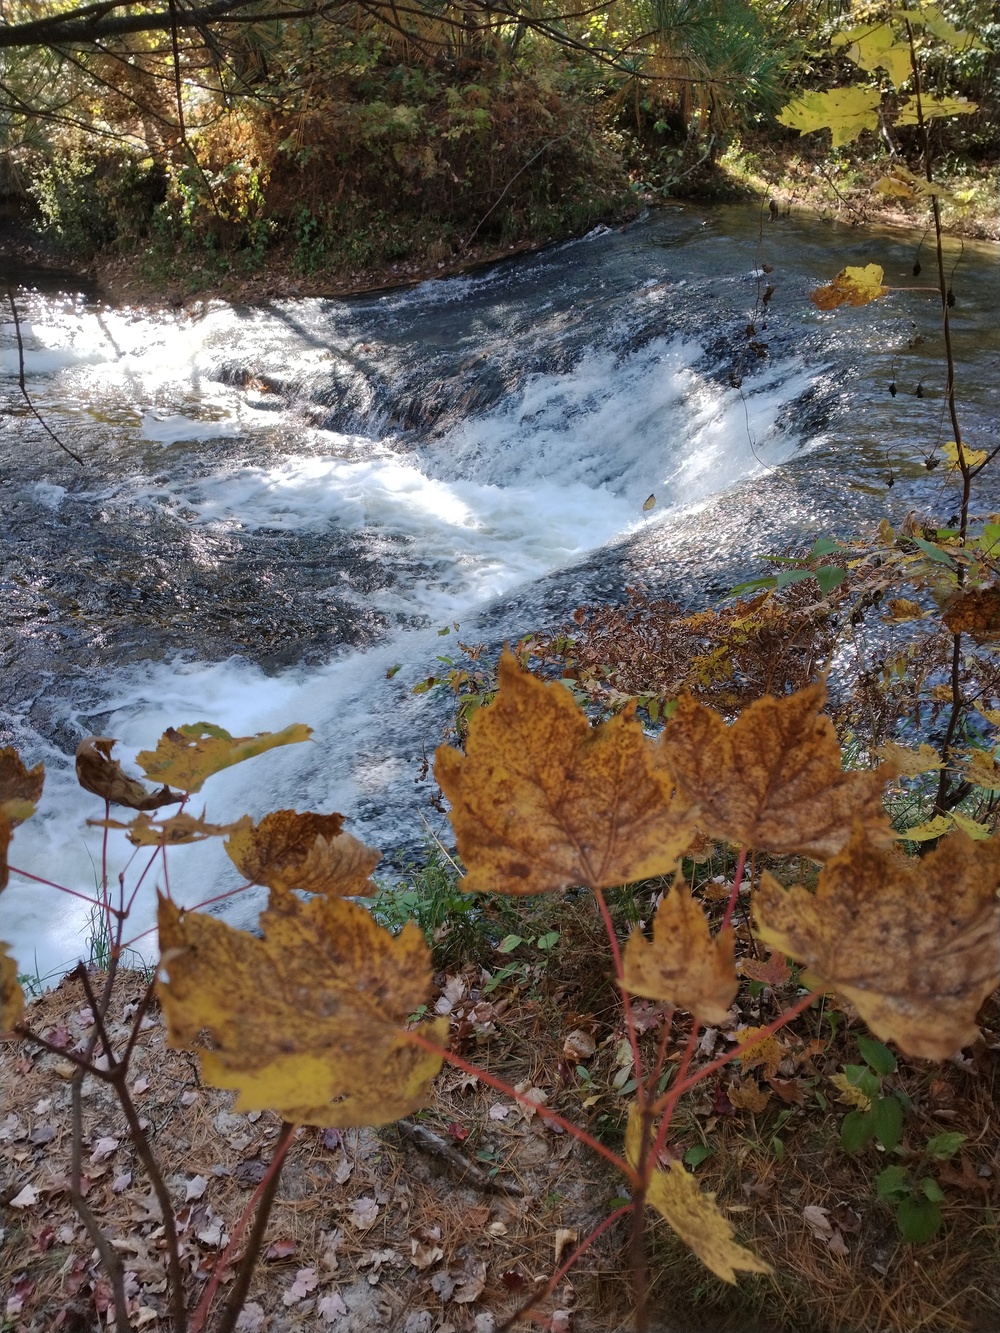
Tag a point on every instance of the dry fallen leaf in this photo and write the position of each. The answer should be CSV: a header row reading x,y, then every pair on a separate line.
x,y
97,772
308,851
849,1094
541,800
764,1052
774,780
913,942
187,756
683,963
772,971
748,1095
695,1216
308,1021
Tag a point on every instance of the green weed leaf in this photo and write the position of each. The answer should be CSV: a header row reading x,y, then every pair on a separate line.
x,y
918,1220
857,1130
878,1056
887,1118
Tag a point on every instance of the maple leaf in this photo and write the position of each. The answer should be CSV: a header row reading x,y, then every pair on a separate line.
x,y
973,457
308,851
187,756
764,1052
876,47
910,763
772,971
773,780
849,1094
901,609
844,111
695,1216
170,832
11,994
541,800
748,1095
19,787
683,963
976,612
913,943
852,286
934,107
308,1021
97,772
906,184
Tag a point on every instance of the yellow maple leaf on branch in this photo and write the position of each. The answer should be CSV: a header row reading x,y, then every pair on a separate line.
x,y
693,1214
185,757
852,286
542,800
684,963
912,942
843,111
310,1020
774,779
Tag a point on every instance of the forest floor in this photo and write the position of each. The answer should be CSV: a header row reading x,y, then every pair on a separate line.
x,y
449,1222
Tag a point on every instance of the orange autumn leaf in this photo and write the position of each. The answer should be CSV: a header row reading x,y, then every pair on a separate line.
x,y
764,1052
976,612
772,971
19,786
748,1095
188,756
774,779
694,1215
912,942
684,963
97,772
542,800
308,1021
308,851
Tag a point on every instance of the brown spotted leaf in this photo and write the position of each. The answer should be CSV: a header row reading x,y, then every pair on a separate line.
x,y
96,771
19,786
912,942
172,831
11,994
772,971
748,1095
310,1020
187,756
976,612
774,779
308,851
684,963
541,800
694,1215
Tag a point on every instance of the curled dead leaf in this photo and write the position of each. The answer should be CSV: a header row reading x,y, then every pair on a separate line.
x,y
913,943
683,963
773,780
308,851
695,1216
173,831
541,800
97,772
310,1020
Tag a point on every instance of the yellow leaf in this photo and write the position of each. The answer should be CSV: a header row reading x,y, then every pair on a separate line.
x,y
976,612
171,832
912,942
895,188
11,994
765,1053
851,286
649,503
849,1094
308,851
978,832
901,609
541,800
973,457
982,770
97,772
696,1218
936,827
308,1021
683,964
931,18
187,756
748,1095
773,780
908,763
933,107
874,47
844,111
908,185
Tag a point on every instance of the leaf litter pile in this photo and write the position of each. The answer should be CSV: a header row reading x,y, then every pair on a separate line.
x,y
719,1062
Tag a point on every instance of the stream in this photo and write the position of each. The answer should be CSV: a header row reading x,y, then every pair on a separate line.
x,y
280,504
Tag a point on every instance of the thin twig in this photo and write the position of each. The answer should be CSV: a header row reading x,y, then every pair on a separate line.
x,y
24,388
